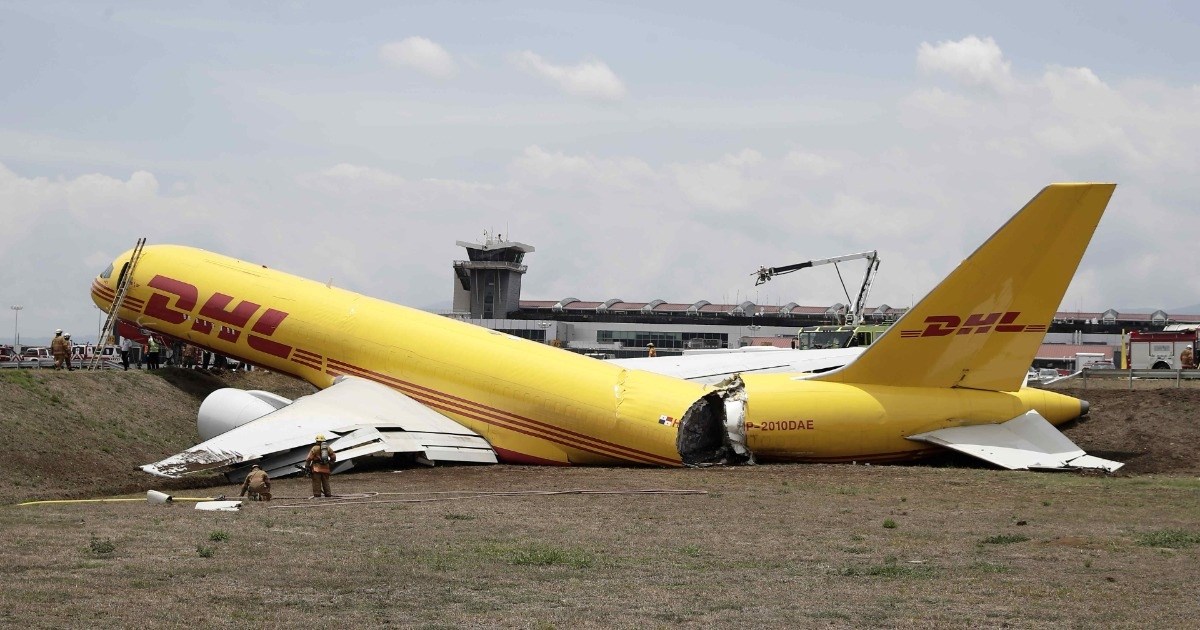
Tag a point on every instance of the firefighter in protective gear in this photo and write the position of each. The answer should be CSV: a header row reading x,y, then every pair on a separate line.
x,y
258,484
320,462
60,349
70,346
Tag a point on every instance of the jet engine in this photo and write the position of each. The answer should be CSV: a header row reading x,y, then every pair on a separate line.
x,y
229,408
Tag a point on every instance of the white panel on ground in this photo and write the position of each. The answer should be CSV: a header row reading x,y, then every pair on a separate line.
x,y
219,506
1026,441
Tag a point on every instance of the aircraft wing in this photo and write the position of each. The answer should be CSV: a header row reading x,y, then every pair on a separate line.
x,y
358,417
1024,442
715,367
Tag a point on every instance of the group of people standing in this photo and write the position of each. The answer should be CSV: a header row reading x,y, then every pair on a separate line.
x,y
151,352
155,353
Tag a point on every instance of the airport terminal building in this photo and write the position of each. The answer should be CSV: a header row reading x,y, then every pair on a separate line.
x,y
487,292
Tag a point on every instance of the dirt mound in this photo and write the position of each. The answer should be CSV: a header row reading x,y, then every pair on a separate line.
x,y
1151,430
71,434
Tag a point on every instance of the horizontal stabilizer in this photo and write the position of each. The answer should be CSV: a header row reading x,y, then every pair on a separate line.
x,y
1027,441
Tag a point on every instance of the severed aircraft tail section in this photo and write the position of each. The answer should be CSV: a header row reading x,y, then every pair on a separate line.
x,y
981,327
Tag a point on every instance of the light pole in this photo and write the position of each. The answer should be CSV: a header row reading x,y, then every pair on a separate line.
x,y
16,327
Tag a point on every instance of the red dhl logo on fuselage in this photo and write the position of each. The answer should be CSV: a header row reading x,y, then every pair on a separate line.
x,y
218,308
944,325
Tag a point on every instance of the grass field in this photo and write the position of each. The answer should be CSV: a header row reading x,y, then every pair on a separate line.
x,y
799,546
949,545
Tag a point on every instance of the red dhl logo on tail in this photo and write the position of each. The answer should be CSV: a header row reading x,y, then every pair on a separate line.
x,y
944,325
218,308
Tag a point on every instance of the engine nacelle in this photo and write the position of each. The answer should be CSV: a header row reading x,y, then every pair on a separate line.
x,y
229,408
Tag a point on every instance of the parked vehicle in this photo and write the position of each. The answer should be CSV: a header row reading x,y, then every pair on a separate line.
x,y
37,357
82,356
1158,350
9,358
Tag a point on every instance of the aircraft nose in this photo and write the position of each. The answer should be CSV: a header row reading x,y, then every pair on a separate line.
x,y
102,291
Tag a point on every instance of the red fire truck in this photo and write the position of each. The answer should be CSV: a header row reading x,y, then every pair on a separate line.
x,y
1158,350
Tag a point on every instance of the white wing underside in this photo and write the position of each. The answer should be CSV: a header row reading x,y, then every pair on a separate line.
x,y
712,368
358,418
1027,441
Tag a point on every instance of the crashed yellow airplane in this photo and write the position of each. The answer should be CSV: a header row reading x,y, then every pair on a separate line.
x,y
949,374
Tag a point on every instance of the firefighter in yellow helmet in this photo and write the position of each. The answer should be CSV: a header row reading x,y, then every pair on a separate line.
x,y
258,484
60,349
320,462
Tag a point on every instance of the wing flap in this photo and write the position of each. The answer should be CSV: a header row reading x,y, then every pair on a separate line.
x,y
1024,442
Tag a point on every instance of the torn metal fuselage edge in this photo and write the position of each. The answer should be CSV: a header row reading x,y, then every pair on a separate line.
x,y
713,430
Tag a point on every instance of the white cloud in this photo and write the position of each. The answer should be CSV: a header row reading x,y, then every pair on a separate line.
x,y
590,78
420,54
972,61
89,201
727,184
541,168
811,164
351,176
940,104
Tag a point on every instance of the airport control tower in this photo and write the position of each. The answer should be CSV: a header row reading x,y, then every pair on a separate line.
x,y
488,284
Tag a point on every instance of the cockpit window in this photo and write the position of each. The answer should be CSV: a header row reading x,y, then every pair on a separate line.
x,y
107,272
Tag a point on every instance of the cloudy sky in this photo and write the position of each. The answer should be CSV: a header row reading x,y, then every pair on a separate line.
x,y
661,152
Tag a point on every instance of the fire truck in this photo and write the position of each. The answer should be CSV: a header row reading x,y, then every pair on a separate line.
x,y
1158,350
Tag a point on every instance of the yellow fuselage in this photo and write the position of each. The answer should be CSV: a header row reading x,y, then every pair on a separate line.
x,y
533,403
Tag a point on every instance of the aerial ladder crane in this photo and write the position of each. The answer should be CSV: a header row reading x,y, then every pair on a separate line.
x,y
764,274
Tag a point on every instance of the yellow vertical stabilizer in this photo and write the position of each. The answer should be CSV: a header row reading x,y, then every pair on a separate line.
x,y
981,327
